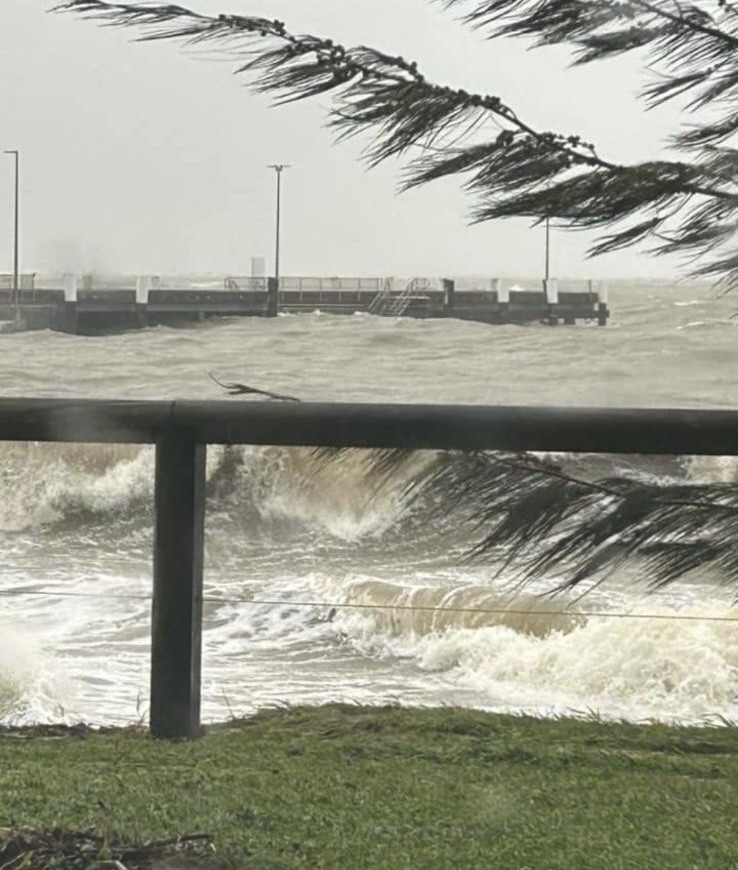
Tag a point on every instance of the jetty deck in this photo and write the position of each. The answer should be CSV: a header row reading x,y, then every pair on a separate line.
x,y
139,302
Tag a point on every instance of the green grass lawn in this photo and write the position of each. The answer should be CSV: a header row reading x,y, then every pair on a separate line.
x,y
352,787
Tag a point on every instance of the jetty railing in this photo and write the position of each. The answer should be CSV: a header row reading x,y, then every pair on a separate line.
x,y
181,431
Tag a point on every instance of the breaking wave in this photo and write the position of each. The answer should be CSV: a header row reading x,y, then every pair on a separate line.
x,y
663,668
411,611
526,652
350,493
44,483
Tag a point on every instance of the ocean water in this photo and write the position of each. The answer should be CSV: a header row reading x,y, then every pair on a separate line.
x,y
324,582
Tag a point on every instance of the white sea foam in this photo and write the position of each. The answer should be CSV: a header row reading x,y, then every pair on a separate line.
x,y
660,668
712,469
33,687
43,483
529,655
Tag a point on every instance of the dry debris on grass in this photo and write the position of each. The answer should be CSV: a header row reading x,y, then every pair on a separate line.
x,y
80,730
29,849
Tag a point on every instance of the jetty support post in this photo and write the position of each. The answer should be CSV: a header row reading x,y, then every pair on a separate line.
x,y
570,311
176,617
502,295
602,312
449,294
551,299
272,309
64,318
143,287
69,282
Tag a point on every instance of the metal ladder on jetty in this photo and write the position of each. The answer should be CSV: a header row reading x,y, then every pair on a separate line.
x,y
377,303
387,304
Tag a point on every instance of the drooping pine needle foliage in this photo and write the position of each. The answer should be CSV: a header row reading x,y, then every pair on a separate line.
x,y
514,168
535,521
546,523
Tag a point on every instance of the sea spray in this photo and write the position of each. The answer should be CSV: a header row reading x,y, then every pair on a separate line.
x,y
44,483
342,493
33,686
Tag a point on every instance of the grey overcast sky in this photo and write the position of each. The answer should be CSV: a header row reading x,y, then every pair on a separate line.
x,y
152,159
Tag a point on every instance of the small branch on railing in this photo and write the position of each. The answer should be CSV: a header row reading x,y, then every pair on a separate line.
x,y
236,389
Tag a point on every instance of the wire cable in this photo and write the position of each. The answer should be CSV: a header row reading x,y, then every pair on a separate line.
x,y
426,608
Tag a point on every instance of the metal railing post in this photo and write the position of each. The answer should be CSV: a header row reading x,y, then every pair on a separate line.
x,y
176,616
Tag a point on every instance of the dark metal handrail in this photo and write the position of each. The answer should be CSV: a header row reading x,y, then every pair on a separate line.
x,y
462,427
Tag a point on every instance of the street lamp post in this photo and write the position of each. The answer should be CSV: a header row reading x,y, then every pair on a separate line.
x,y
278,168
548,248
16,288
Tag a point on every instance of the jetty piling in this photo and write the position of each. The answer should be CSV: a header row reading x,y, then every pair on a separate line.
x,y
551,295
272,304
602,309
70,287
449,295
503,298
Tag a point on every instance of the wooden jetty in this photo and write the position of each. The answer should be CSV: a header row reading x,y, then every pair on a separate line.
x,y
93,309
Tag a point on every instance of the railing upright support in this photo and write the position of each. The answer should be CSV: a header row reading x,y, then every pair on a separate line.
x,y
176,619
